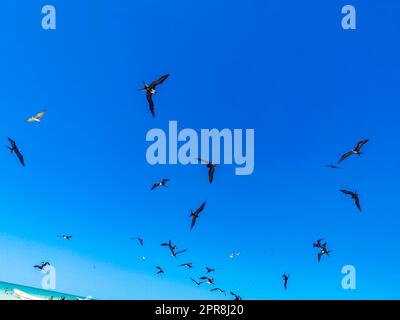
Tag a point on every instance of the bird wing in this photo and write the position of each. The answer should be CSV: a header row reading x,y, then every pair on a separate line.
x,y
319,256
151,103
20,157
13,144
193,222
40,114
211,174
182,251
347,192
159,81
154,186
202,160
346,155
357,200
32,119
361,143
201,208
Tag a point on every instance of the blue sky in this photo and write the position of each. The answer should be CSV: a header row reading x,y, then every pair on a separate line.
x,y
287,69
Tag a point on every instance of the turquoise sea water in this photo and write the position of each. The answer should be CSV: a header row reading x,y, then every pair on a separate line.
x,y
7,293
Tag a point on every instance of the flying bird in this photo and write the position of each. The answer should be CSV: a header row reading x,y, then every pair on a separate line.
x,y
208,280
140,240
196,282
211,169
195,214
151,90
14,149
187,265
209,270
37,117
218,289
237,297
42,265
285,280
171,246
65,237
161,183
233,255
354,196
356,150
332,166
160,270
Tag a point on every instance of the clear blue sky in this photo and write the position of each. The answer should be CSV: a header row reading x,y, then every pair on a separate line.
x,y
285,68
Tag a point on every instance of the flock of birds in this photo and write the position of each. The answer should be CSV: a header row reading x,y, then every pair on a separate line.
x,y
194,215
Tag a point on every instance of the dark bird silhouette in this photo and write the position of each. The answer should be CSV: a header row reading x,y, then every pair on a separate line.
x,y
65,237
160,270
323,251
208,280
162,183
140,240
354,196
195,214
332,166
172,248
14,149
187,265
356,150
317,244
197,282
211,169
209,270
42,265
218,289
285,280
237,297
151,90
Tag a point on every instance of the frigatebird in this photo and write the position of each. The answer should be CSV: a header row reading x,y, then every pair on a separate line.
x,y
354,196
209,280
285,280
195,214
209,270
140,240
219,289
196,282
161,183
237,297
151,89
187,265
14,149
356,150
37,117
65,237
332,166
160,270
42,265
211,169
172,248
